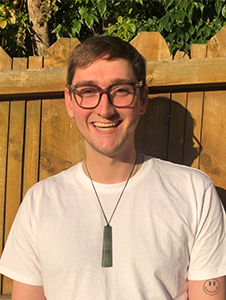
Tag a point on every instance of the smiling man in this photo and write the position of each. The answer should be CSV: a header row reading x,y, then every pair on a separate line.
x,y
118,225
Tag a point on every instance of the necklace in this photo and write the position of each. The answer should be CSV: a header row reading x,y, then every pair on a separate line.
x,y
107,237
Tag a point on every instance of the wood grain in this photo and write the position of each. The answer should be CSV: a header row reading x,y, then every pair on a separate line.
x,y
14,163
32,135
177,121
178,75
192,142
5,64
152,132
213,158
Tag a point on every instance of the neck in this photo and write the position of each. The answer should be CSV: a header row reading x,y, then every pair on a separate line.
x,y
110,170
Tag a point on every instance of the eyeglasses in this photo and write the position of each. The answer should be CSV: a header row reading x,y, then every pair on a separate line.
x,y
119,94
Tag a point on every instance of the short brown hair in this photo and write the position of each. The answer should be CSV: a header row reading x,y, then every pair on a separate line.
x,y
109,48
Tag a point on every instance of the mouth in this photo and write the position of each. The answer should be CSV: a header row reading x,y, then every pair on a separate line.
x,y
106,126
213,291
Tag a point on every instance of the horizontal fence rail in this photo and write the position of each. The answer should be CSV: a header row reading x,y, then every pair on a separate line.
x,y
162,76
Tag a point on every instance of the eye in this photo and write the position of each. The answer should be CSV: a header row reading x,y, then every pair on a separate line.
x,y
122,90
87,92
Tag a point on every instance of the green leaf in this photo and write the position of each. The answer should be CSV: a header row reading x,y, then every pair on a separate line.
x,y
146,27
181,15
191,30
190,12
102,8
218,6
187,36
207,32
2,8
84,15
171,36
185,4
73,33
169,3
110,30
200,22
132,27
77,26
57,29
120,19
89,21
3,23
224,11
83,11
95,18
164,22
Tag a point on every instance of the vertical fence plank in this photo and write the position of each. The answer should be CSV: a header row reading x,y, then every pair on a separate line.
x,y
57,55
152,46
61,146
15,161
5,64
213,160
32,135
152,132
177,121
5,60
194,114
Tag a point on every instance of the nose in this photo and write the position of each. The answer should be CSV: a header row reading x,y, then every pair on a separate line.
x,y
105,107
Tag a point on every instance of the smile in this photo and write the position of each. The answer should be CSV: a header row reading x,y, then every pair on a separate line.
x,y
106,126
212,292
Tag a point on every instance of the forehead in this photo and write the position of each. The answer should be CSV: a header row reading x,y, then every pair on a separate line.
x,y
106,72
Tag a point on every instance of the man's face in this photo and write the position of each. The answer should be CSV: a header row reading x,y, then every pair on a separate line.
x,y
107,129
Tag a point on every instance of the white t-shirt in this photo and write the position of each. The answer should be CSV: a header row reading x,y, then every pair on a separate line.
x,y
168,227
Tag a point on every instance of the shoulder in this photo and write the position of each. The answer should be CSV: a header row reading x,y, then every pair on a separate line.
x,y
59,180
54,188
180,173
178,180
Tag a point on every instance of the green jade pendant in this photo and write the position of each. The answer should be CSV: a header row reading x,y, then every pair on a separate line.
x,y
107,247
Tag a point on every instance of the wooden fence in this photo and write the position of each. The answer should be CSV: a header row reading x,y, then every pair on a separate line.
x,y
185,121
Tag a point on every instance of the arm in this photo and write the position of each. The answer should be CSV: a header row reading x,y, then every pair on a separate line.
x,y
212,289
22,291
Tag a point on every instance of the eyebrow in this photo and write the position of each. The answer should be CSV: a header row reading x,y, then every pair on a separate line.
x,y
93,82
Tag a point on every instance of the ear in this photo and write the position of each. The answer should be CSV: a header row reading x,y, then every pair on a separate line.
x,y
143,99
68,103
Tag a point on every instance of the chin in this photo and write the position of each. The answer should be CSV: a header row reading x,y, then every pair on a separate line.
x,y
108,151
110,148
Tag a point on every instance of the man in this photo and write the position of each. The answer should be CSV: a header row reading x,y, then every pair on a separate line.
x,y
118,225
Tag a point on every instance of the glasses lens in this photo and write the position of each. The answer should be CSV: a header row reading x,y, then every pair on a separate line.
x,y
87,96
122,95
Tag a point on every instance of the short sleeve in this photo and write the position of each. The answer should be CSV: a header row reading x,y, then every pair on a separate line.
x,y
20,259
208,255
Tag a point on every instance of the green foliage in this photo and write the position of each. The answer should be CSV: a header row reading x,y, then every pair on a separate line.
x,y
186,22
14,28
47,7
181,22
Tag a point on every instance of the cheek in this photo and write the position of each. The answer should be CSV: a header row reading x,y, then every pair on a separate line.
x,y
137,112
133,120
81,116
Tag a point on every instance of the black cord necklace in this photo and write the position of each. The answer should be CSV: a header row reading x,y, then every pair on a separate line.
x,y
107,238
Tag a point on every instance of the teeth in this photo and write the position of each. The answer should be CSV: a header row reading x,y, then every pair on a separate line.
x,y
104,126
